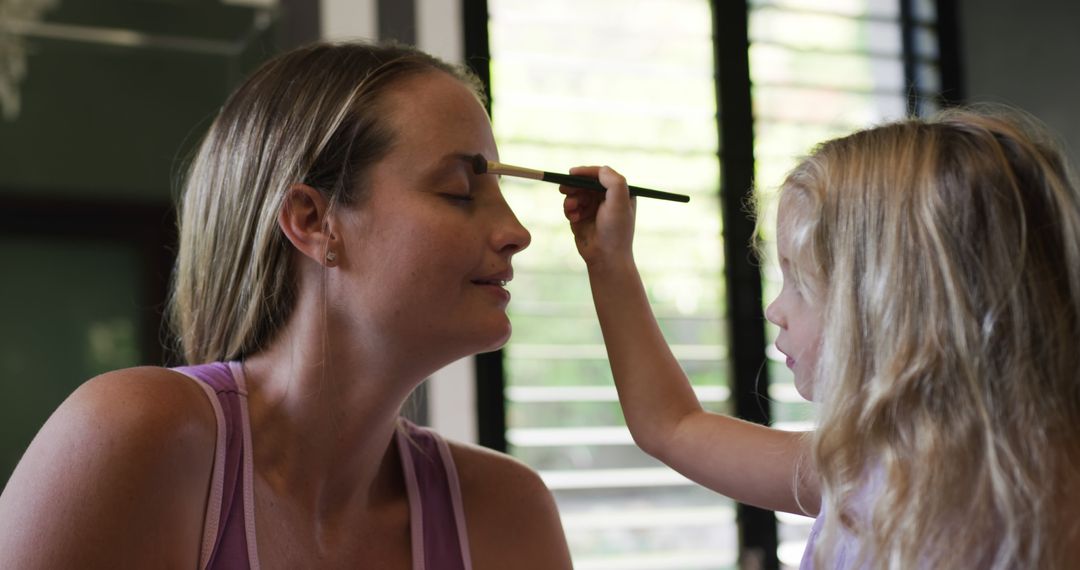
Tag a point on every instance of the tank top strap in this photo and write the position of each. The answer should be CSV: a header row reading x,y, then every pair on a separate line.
x,y
228,531
437,517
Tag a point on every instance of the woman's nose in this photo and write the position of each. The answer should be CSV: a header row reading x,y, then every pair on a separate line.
x,y
510,236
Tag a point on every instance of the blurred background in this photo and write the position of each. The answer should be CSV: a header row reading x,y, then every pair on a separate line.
x,y
101,103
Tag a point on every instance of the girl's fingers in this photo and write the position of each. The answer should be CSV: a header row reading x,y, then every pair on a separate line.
x,y
614,182
571,208
587,171
581,204
580,198
608,177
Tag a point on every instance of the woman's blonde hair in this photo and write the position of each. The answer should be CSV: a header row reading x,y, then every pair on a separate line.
x,y
312,116
948,376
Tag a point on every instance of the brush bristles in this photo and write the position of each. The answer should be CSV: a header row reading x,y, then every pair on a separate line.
x,y
479,164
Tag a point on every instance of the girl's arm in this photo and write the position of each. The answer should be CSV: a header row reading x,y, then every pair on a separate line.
x,y
750,463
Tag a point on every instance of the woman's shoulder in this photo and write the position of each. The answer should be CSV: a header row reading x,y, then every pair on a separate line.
x,y
127,422
146,419
122,451
144,403
495,472
511,515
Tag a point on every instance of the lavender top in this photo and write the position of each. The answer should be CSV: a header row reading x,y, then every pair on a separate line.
x,y
436,515
845,552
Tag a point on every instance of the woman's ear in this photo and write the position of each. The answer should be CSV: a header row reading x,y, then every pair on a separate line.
x,y
304,221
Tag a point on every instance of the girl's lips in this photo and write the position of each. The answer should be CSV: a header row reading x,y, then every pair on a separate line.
x,y
790,362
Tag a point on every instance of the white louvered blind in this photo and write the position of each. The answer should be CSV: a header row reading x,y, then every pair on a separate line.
x,y
821,69
628,83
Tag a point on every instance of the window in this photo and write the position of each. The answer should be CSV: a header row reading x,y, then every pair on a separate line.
x,y
600,82
632,84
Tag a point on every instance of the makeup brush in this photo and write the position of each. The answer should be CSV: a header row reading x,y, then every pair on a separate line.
x,y
482,165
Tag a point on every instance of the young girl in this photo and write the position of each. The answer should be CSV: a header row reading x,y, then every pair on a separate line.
x,y
931,307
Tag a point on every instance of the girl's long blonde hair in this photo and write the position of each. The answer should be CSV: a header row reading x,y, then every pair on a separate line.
x,y
310,116
948,377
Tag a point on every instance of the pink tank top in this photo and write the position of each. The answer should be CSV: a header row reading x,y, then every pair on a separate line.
x,y
436,516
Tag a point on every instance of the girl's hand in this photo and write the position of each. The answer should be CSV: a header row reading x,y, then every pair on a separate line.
x,y
602,222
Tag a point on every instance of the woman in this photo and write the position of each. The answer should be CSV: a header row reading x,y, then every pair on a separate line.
x,y
335,250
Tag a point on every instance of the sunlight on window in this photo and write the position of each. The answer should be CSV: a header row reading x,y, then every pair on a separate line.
x,y
602,82
629,83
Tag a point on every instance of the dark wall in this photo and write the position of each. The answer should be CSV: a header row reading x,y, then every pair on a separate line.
x,y
1026,54
104,120
101,123
116,94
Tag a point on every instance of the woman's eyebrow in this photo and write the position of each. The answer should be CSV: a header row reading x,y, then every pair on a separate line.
x,y
450,162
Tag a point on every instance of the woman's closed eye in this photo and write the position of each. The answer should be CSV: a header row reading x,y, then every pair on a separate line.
x,y
456,188
459,196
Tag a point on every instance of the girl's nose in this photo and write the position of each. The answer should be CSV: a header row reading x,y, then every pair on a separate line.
x,y
775,315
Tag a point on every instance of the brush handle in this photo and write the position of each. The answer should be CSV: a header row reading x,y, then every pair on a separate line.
x,y
594,184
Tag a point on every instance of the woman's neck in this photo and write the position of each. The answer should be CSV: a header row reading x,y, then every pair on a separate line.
x,y
323,416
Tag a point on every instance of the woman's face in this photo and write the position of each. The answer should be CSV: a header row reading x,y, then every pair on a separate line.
x,y
427,250
797,311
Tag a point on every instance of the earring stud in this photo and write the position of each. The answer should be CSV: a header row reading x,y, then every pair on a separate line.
x,y
331,257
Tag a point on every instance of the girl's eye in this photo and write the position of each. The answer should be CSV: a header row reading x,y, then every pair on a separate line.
x,y
786,279
797,285
792,284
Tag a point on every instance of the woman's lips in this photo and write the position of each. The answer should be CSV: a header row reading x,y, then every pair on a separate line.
x,y
790,362
495,289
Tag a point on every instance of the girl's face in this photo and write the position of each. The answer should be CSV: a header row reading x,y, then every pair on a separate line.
x,y
797,311
428,248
